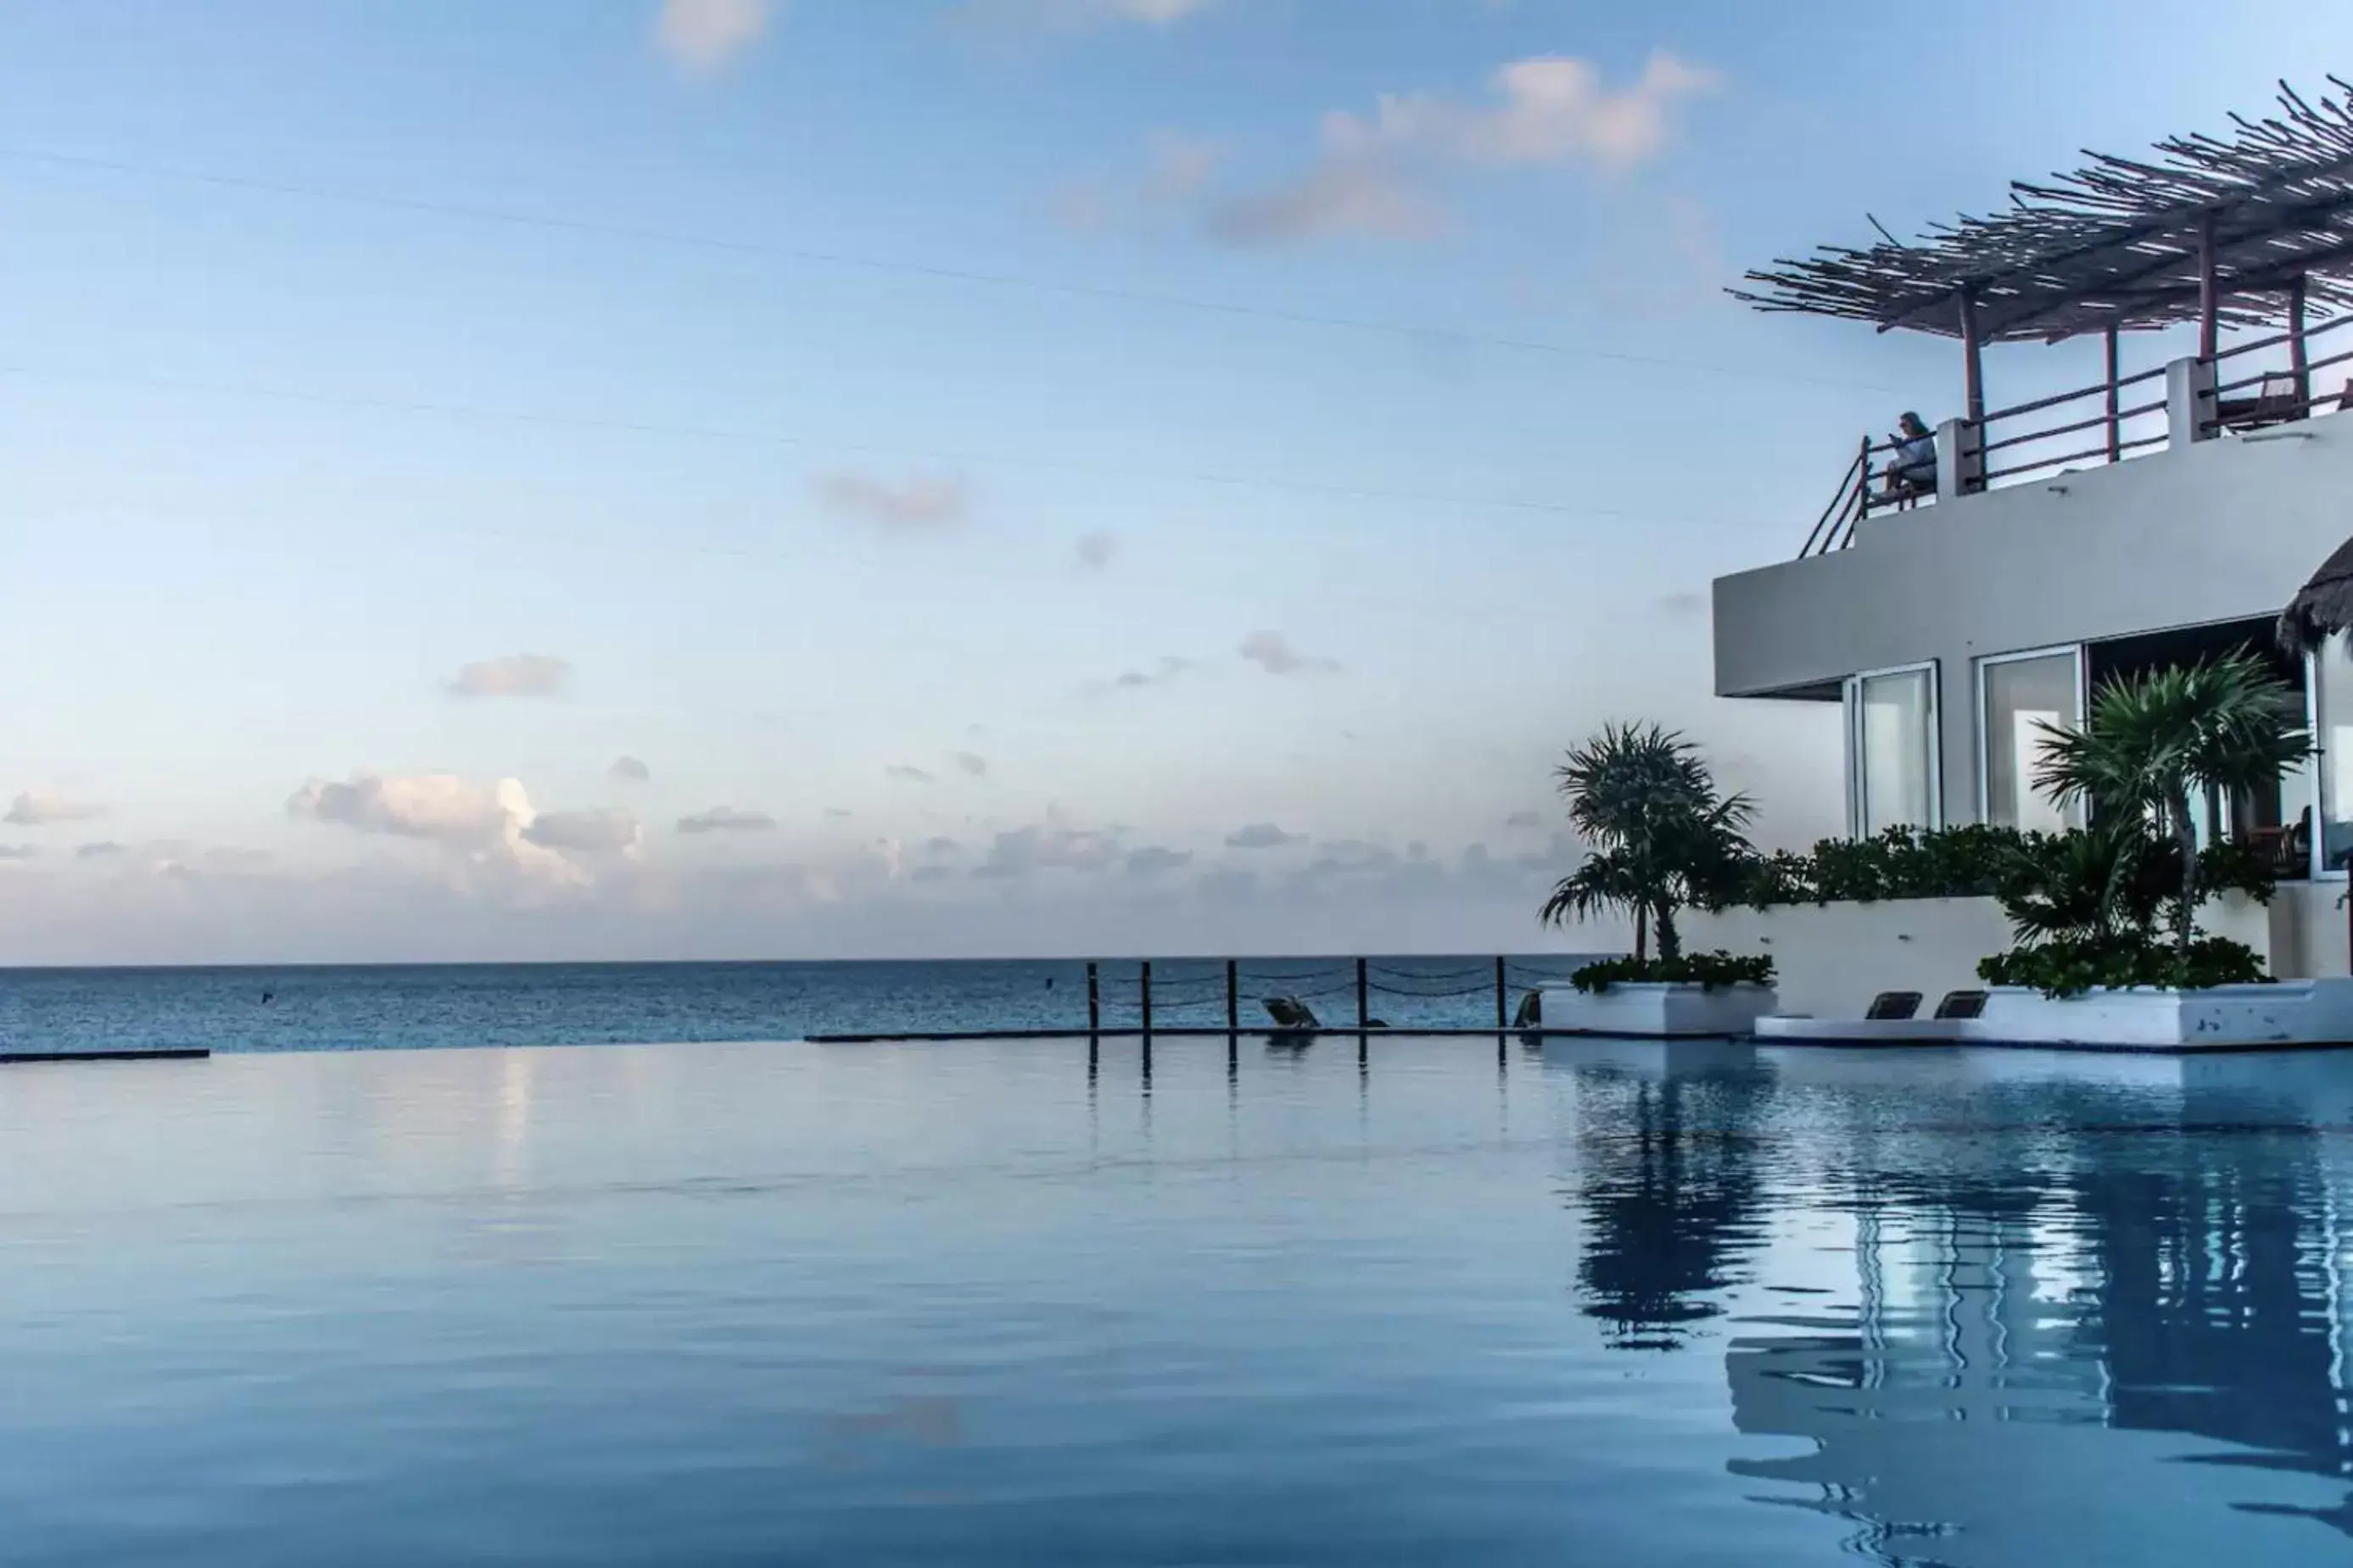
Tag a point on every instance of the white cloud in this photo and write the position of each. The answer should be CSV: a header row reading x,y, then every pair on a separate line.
x,y
606,831
17,852
1272,652
1375,175
1019,17
1338,196
37,808
1552,110
907,773
1261,836
726,819
487,826
1094,552
1153,860
515,674
974,764
914,505
630,770
104,849
707,35
1051,847
1168,668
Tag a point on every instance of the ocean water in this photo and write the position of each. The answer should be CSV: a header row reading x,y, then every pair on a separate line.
x,y
1029,1304
367,1007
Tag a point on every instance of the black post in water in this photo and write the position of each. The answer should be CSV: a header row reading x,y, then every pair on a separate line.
x,y
1364,1005
1095,1001
1503,996
1147,1002
1233,997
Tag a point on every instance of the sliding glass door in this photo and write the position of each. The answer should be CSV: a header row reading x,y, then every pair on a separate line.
x,y
1892,755
2021,697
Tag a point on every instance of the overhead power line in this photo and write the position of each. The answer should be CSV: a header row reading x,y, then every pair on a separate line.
x,y
813,256
178,384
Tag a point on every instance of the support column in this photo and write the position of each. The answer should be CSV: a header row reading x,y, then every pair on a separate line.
x,y
2188,402
1960,459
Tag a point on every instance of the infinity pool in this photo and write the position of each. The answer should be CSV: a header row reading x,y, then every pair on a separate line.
x,y
739,1304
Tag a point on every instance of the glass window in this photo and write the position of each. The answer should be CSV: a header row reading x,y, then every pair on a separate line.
x,y
1894,715
2332,702
2018,696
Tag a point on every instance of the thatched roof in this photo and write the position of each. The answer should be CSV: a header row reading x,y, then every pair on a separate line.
x,y
2322,606
2116,243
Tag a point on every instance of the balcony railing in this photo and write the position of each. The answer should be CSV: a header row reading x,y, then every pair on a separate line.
x,y
2055,435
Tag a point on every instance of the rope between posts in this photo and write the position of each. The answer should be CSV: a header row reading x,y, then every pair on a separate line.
x,y
1433,979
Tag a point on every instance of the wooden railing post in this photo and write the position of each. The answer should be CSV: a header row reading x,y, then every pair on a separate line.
x,y
2210,292
1364,1002
1503,996
2116,427
1094,999
2299,358
1233,997
1146,973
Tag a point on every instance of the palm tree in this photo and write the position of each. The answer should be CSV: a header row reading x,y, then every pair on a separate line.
x,y
2156,742
1661,837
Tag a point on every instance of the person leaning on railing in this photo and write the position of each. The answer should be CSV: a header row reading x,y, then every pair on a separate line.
x,y
1911,471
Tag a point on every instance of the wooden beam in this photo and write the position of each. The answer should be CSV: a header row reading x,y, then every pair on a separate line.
x,y
2298,358
2209,293
1972,357
2116,430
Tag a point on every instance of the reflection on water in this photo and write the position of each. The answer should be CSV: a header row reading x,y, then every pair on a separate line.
x,y
1059,1303
2088,1302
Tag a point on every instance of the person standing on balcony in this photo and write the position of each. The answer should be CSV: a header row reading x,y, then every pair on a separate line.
x,y
1913,471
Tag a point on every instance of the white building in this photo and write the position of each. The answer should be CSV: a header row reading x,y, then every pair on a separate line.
x,y
2141,521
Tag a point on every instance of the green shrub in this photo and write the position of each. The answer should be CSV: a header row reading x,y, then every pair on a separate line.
x,y
1970,862
2072,965
1712,971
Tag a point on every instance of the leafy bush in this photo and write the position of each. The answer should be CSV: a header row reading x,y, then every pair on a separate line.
x,y
1712,971
2069,966
1971,862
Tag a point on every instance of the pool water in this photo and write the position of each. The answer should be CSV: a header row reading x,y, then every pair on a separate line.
x,y
982,1304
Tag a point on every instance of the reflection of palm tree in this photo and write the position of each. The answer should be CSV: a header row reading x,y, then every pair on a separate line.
x,y
1670,1200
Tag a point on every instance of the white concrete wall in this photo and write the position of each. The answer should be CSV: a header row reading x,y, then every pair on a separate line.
x,y
1832,959
2308,932
2216,530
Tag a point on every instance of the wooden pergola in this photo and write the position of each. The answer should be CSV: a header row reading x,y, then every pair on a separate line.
x,y
2251,228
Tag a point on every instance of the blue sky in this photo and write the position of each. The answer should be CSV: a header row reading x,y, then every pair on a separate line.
x,y
827,404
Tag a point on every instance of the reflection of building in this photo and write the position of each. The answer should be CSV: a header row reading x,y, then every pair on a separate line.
x,y
2044,1335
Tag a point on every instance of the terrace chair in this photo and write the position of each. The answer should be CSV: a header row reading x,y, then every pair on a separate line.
x,y
1890,1006
2275,402
1962,1004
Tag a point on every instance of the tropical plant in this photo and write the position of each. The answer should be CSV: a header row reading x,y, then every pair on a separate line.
x,y
1709,971
2072,965
2156,744
1661,837
2101,884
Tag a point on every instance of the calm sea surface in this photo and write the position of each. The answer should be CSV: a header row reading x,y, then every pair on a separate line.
x,y
364,1007
1610,1304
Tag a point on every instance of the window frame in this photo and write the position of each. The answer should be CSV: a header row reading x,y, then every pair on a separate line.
x,y
1851,697
2081,652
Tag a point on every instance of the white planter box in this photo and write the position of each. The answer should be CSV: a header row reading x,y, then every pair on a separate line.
x,y
1650,1010
2224,1018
